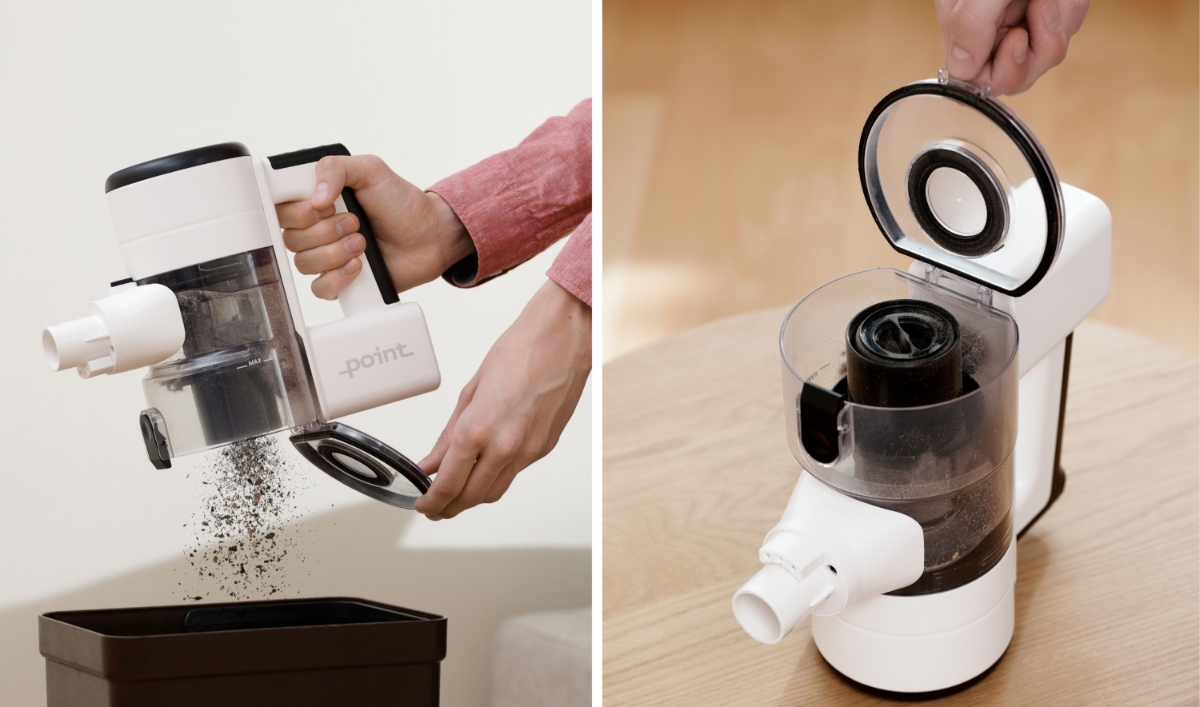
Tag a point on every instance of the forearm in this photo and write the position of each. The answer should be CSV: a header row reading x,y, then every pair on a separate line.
x,y
451,232
568,322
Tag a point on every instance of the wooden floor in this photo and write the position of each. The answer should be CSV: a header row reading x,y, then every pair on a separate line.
x,y
730,152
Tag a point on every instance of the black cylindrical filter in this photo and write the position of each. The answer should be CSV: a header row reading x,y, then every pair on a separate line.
x,y
903,353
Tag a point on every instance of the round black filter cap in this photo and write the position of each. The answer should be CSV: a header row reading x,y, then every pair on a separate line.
x,y
971,244
903,353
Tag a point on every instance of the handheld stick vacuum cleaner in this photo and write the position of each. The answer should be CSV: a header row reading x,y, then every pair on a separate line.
x,y
210,306
926,406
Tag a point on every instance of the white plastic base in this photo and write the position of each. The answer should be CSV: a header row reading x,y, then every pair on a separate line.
x,y
923,643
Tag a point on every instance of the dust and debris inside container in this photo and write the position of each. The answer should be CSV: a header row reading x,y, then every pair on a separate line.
x,y
241,372
944,459
301,653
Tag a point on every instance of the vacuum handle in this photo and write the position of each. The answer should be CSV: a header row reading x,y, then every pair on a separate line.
x,y
293,177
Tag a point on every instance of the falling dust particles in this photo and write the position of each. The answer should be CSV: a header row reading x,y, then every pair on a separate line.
x,y
239,543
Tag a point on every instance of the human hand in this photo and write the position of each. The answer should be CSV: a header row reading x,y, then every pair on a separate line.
x,y
513,411
1007,43
419,235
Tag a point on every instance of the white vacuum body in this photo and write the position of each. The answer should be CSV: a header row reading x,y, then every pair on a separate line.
x,y
210,307
925,407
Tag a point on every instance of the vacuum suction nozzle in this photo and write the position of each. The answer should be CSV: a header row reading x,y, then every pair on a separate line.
x,y
828,550
138,327
792,582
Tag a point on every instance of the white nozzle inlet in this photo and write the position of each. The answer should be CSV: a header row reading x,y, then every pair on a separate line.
x,y
74,343
874,550
773,602
136,327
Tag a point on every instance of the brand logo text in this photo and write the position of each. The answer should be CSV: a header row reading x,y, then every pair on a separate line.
x,y
381,356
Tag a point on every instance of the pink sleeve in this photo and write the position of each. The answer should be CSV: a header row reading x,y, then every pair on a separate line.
x,y
572,269
518,203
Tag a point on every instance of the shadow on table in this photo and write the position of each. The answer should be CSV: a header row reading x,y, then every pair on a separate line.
x,y
349,552
1032,559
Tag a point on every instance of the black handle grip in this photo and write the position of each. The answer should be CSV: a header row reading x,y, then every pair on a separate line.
x,y
374,258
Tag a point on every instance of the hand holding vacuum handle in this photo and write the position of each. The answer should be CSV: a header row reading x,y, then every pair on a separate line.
x,y
292,177
380,352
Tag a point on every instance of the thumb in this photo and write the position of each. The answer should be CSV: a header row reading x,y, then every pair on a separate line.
x,y
969,31
335,173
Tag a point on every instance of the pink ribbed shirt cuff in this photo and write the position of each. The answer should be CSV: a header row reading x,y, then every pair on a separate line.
x,y
572,269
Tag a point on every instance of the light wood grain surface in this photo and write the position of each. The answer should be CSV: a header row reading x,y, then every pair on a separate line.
x,y
697,470
731,131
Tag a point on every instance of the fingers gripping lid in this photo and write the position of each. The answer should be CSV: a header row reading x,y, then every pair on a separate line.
x,y
956,179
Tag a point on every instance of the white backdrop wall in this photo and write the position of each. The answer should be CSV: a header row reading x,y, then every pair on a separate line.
x,y
432,87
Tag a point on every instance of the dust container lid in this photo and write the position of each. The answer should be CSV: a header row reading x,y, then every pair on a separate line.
x,y
955,179
363,463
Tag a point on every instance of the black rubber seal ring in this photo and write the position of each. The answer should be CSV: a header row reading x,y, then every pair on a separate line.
x,y
1042,171
971,246
914,696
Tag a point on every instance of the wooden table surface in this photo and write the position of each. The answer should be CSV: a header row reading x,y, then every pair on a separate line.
x,y
697,470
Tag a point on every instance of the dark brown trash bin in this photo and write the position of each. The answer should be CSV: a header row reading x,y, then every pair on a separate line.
x,y
301,652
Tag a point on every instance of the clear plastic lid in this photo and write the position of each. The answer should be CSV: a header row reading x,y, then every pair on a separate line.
x,y
363,463
954,178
